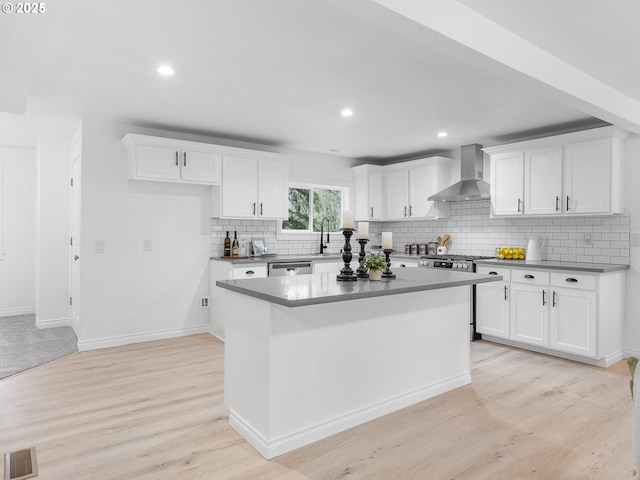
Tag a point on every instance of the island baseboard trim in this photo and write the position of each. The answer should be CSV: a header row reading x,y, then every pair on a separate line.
x,y
279,446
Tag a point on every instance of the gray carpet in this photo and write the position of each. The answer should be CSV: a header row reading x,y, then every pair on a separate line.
x,y
23,346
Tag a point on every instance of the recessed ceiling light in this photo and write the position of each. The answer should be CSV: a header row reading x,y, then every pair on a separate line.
x,y
165,70
442,134
346,112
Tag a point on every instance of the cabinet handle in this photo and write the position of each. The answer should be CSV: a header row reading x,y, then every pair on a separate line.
x,y
184,159
571,280
505,293
402,265
557,203
519,202
249,272
544,298
567,203
529,276
177,159
554,298
410,210
254,208
493,273
260,208
405,210
371,212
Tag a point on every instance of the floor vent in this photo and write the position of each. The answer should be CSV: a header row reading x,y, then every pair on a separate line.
x,y
21,464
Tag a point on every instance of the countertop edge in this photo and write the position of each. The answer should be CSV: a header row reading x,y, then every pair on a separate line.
x,y
556,265
231,285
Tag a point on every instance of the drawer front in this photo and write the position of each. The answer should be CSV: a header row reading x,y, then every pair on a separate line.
x,y
573,280
252,271
530,276
491,270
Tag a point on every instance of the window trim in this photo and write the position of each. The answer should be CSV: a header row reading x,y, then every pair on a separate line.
x,y
295,234
1,212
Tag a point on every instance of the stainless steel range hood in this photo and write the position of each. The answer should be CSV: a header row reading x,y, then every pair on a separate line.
x,y
472,186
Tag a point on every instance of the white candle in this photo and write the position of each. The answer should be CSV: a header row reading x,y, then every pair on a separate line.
x,y
363,230
387,240
347,219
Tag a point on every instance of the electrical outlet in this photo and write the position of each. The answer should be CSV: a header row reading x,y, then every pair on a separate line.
x,y
147,245
635,240
588,239
99,246
204,302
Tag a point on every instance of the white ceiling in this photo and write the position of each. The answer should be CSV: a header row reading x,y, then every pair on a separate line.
x,y
278,72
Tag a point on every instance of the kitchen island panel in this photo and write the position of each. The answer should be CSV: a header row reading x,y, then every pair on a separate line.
x,y
294,376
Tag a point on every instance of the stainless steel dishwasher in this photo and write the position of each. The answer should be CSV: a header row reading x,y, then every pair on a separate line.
x,y
283,269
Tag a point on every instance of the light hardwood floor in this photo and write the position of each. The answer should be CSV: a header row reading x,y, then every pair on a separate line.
x,y
155,411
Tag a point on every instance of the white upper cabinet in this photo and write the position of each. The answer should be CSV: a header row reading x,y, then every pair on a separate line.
x,y
543,181
169,160
403,188
507,182
587,172
369,196
396,194
254,185
571,174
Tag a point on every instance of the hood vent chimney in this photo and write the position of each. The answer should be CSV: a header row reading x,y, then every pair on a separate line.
x,y
471,186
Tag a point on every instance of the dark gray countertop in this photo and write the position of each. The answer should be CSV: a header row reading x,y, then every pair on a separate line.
x,y
555,265
302,290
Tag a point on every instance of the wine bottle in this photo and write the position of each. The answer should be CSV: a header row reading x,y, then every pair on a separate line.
x,y
235,247
227,245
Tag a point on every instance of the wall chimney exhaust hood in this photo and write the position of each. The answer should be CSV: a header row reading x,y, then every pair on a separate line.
x,y
472,186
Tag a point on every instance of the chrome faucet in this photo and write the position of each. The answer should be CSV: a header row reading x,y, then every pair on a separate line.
x,y
322,245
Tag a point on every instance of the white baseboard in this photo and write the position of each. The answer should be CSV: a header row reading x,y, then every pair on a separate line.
x,y
10,312
52,322
279,446
211,332
631,352
116,341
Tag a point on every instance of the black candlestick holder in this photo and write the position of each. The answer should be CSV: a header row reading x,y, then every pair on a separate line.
x,y
346,274
387,273
361,271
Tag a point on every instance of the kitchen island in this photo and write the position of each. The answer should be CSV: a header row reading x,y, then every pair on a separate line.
x,y
308,356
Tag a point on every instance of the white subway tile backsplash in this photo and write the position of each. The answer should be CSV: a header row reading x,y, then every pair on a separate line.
x,y
472,232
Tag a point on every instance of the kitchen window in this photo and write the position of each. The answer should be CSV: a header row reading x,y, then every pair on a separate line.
x,y
308,205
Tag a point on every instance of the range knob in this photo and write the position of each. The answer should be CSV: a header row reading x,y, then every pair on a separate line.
x,y
455,265
465,265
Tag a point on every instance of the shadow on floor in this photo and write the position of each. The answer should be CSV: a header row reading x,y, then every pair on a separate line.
x,y
23,346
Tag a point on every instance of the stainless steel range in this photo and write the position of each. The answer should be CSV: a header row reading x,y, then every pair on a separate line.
x,y
462,263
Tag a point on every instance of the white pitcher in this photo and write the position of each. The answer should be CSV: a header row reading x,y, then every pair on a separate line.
x,y
534,249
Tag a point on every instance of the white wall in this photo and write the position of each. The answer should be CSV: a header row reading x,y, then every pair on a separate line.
x,y
52,232
632,202
17,268
129,295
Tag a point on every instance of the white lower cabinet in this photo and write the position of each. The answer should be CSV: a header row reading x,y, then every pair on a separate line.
x,y
529,314
571,314
492,309
331,267
403,264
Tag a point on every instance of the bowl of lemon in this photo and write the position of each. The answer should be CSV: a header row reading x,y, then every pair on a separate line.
x,y
510,253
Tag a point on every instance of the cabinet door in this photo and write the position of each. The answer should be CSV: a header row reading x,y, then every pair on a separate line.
x,y
422,184
543,181
572,321
249,271
201,167
530,314
273,189
396,194
376,196
507,183
332,267
239,187
587,176
492,309
157,163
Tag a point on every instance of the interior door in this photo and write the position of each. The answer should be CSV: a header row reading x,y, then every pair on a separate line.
x,y
76,191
